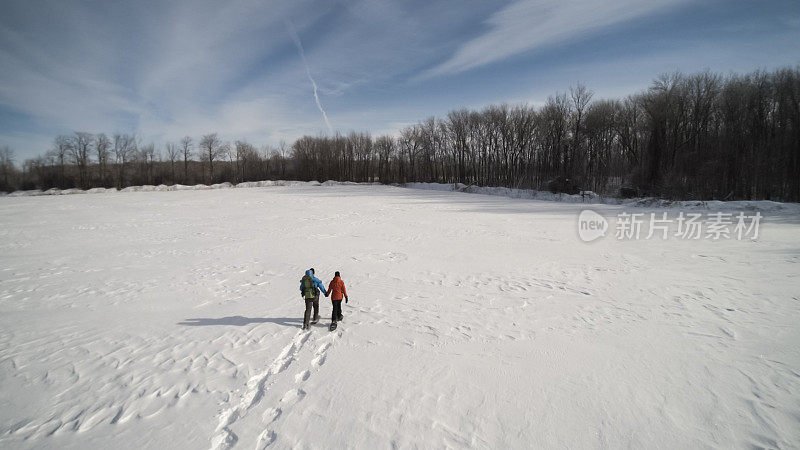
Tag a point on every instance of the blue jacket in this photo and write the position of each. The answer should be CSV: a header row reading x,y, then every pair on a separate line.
x,y
317,283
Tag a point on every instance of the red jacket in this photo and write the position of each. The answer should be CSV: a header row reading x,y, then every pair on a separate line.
x,y
336,289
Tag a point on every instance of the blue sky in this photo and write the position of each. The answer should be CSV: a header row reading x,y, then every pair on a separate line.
x,y
165,69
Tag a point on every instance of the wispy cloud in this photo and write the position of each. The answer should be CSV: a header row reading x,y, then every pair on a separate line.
x,y
527,25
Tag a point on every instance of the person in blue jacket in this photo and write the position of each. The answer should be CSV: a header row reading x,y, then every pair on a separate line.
x,y
309,290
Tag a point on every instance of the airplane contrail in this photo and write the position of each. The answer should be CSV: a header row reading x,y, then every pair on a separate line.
x,y
300,50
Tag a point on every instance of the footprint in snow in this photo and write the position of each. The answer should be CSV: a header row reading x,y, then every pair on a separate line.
x,y
293,396
319,360
271,415
302,376
266,439
322,348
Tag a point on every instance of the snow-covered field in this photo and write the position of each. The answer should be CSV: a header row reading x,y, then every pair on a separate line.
x,y
172,320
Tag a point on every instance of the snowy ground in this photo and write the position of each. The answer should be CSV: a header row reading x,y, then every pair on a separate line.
x,y
172,320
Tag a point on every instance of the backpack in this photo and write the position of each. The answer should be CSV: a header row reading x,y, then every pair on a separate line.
x,y
309,288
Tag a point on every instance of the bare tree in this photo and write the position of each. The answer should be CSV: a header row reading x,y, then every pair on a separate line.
x,y
102,148
173,152
147,153
580,97
6,166
410,145
79,153
61,146
244,152
233,161
283,151
212,149
385,147
123,146
187,148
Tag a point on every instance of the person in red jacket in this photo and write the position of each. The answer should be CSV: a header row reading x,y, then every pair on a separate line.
x,y
336,290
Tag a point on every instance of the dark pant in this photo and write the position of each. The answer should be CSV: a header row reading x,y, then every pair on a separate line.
x,y
337,311
311,303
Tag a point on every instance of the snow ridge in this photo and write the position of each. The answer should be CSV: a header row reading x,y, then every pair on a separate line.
x,y
587,197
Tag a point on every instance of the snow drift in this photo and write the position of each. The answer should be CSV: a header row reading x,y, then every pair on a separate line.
x,y
588,197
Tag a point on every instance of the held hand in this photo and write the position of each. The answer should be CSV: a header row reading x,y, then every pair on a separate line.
x,y
346,299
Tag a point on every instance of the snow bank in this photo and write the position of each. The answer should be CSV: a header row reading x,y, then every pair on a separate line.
x,y
347,183
530,194
587,197
255,184
717,205
101,190
590,197
31,193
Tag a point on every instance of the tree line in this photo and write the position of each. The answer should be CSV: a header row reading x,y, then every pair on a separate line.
x,y
84,160
703,136
699,136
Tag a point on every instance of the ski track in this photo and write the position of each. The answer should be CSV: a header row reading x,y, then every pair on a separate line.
x,y
678,344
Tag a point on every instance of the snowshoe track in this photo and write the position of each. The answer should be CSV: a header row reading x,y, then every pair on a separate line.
x,y
296,394
256,388
259,386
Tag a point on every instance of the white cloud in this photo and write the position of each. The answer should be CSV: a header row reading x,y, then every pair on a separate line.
x,y
526,25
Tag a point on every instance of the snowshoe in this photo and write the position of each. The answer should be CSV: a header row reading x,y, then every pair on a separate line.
x,y
333,326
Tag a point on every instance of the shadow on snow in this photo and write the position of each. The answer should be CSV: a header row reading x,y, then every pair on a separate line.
x,y
239,321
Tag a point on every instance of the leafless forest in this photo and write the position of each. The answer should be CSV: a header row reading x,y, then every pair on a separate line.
x,y
694,136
